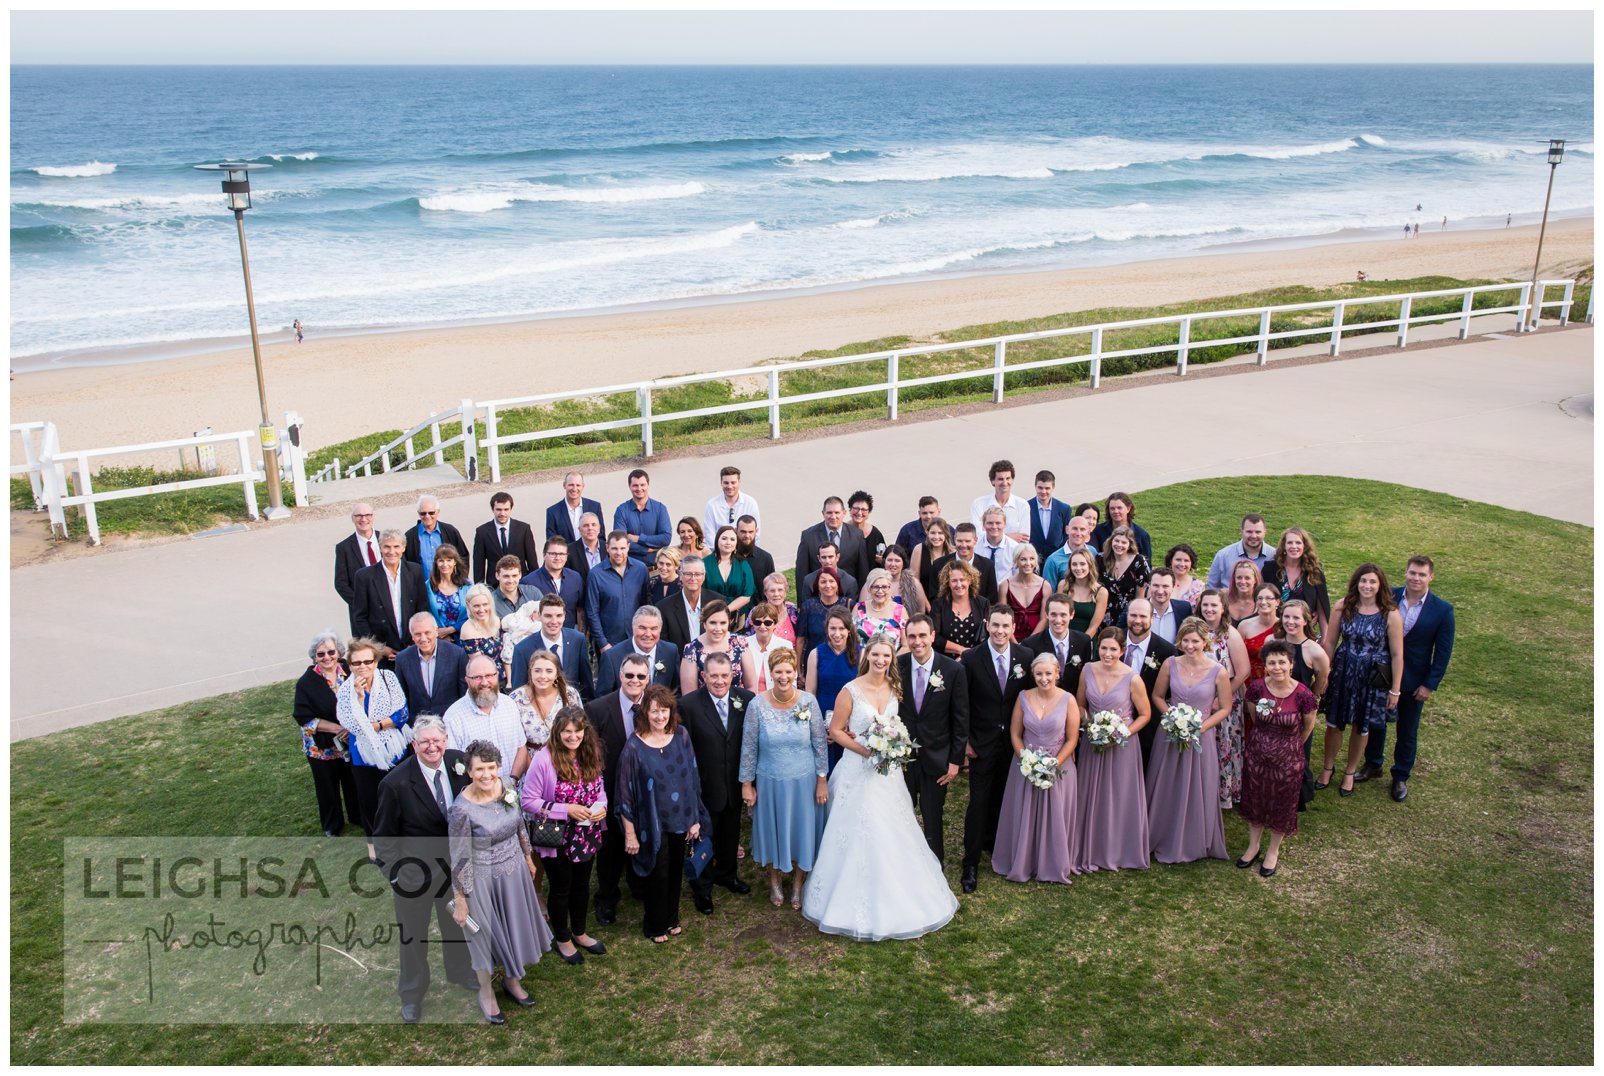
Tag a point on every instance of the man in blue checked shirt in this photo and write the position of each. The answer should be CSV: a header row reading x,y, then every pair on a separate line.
x,y
613,592
644,521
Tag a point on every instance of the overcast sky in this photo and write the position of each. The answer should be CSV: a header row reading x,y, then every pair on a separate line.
x,y
755,37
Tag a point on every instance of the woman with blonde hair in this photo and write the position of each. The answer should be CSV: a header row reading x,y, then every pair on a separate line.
x,y
1239,599
481,631
1025,592
665,576
880,612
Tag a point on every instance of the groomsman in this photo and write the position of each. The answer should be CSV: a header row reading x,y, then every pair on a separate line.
x,y
964,541
1048,515
1145,652
352,553
997,672
715,716
935,707
1074,649
502,536
613,717
567,644
562,518
747,549
1167,614
1428,644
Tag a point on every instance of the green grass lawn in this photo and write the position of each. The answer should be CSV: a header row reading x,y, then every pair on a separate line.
x,y
1456,928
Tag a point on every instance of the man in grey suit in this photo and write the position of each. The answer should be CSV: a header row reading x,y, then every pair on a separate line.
x,y
855,558
573,653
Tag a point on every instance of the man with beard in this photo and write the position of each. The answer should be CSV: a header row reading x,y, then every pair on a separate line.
x,y
747,549
484,713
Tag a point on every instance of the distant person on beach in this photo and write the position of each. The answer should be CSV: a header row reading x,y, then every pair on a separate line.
x,y
1417,229
298,333
1362,277
1444,227
1419,207
1406,231
1507,218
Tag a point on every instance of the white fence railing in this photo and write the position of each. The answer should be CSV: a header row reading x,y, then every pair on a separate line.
x,y
32,434
997,371
464,411
54,464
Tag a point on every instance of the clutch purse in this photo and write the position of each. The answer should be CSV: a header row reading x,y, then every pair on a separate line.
x,y
547,832
698,855
1381,676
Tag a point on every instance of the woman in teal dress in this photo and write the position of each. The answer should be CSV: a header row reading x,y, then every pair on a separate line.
x,y
729,576
783,777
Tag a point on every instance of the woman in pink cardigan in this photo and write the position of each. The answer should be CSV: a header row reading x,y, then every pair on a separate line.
x,y
565,782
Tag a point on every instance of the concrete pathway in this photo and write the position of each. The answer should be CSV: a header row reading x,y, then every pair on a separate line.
x,y
167,623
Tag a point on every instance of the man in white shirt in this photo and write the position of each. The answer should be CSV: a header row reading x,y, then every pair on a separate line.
x,y
996,546
1251,547
484,713
728,505
1002,496
1167,614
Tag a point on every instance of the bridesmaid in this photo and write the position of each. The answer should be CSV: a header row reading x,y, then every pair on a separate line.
x,y
1275,763
1112,802
1225,646
1037,835
1183,785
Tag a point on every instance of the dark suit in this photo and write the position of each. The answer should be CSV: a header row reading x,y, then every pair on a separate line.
x,y
558,525
487,549
449,535
665,654
571,590
718,760
677,627
607,718
577,562
991,711
941,728
1426,649
450,678
349,559
1180,609
1080,645
1157,652
374,617
855,555
762,562
1046,542
573,656
849,586
409,835
987,570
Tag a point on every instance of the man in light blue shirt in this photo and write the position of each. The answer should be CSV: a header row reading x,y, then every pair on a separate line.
x,y
1251,547
1077,536
644,521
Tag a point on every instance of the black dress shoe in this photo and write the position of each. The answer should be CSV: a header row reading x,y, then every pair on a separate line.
x,y
528,1000
1246,863
703,902
576,958
970,880
606,915
331,833
1268,872
1366,772
492,1018
1400,791
736,886
595,948
411,1012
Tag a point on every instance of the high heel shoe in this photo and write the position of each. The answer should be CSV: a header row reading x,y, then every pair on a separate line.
x,y
1345,792
776,894
526,1001
1246,863
1330,772
1268,872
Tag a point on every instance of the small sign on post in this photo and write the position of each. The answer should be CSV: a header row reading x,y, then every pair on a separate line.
x,y
205,455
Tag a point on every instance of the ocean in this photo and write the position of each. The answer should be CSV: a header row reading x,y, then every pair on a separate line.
x,y
426,196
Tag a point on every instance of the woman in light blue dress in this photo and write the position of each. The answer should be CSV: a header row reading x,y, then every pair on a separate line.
x,y
783,777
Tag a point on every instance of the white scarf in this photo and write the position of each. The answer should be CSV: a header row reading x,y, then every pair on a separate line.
x,y
385,699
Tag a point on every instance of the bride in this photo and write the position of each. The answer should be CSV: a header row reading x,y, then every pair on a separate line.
x,y
874,877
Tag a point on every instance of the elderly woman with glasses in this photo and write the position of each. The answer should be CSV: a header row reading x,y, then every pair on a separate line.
x,y
881,611
372,708
323,738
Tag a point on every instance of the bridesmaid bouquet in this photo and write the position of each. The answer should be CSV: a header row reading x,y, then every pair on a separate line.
x,y
1183,724
889,745
1106,729
1040,768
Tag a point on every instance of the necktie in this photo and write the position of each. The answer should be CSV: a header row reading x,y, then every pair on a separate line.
x,y
1061,658
835,539
440,792
556,653
371,558
1130,654
428,680
919,680
503,539
723,713
1002,671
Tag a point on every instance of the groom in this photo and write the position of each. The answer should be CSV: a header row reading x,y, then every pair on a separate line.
x,y
935,707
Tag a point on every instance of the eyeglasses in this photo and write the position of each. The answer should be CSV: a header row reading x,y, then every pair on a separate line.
x,y
328,653
357,664
426,515
361,515
763,623
632,676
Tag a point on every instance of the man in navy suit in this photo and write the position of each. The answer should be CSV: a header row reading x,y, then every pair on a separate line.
x,y
645,639
612,715
1048,515
1428,644
573,656
502,536
1167,614
554,576
433,672
562,518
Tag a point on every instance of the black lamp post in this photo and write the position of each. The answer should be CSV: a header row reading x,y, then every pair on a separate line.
x,y
1556,153
237,195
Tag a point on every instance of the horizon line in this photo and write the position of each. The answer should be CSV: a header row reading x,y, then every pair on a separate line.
x,y
840,63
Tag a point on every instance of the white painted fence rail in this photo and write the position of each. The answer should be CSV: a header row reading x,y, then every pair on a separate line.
x,y
646,418
436,448
54,464
32,434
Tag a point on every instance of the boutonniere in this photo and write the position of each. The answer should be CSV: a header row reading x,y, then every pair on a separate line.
x,y
1074,659
659,666
459,769
936,682
804,712
1151,662
1018,671
737,705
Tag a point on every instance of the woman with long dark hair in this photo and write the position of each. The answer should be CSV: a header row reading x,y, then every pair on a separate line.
x,y
1365,644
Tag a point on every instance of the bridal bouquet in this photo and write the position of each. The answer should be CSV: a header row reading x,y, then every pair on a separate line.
x,y
1183,724
889,744
1106,729
1040,768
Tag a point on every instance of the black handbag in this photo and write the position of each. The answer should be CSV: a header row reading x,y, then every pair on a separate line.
x,y
547,832
1381,676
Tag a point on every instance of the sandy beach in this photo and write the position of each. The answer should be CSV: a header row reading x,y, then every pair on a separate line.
x,y
346,386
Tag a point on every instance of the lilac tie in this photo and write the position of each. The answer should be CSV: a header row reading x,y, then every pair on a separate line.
x,y
919,687
1130,654
1002,671
1061,658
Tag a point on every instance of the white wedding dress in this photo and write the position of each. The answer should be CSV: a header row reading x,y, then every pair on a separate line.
x,y
874,877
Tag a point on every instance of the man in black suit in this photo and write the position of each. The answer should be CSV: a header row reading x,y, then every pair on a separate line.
x,y
352,553
387,594
563,518
833,529
590,551
747,549
682,610
935,707
502,536
409,835
433,673
829,557
613,717
645,639
1073,648
554,576
715,716
431,533
573,653
963,539
997,672
1146,653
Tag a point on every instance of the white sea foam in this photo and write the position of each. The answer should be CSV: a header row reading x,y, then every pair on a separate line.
x,y
804,158
134,201
309,155
486,201
76,171
861,222
1373,140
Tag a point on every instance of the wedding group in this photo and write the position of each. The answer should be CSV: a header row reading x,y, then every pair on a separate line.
x,y
620,712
